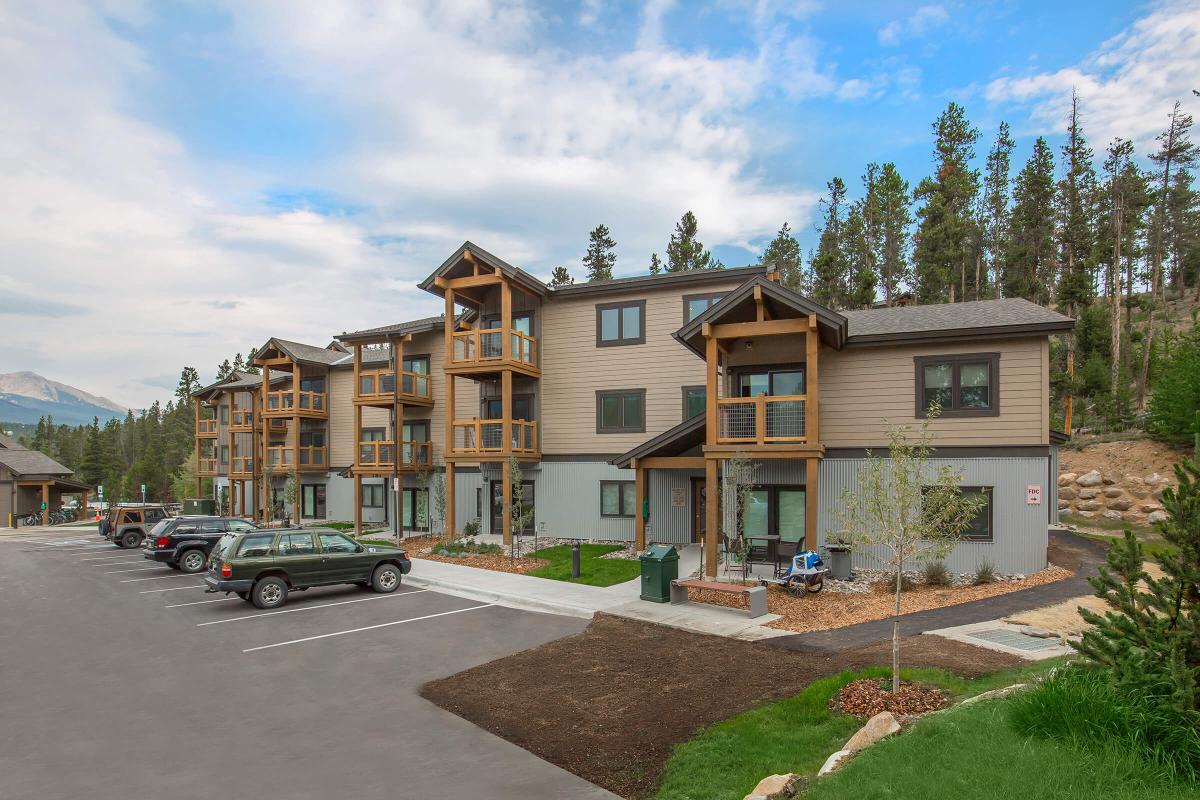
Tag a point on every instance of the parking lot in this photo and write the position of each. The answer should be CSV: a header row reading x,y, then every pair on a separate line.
x,y
120,677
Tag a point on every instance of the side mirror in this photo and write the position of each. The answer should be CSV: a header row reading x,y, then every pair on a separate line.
x,y
360,548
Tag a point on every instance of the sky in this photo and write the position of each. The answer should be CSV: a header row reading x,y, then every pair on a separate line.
x,y
182,181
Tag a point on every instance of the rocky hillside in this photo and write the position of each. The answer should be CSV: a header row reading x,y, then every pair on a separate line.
x,y
1118,481
26,396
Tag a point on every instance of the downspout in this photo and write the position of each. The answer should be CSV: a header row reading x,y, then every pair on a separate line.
x,y
396,439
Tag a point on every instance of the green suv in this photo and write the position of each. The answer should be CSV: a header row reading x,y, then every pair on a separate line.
x,y
263,566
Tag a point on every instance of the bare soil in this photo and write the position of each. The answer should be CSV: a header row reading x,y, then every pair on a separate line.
x,y
1140,457
420,546
610,703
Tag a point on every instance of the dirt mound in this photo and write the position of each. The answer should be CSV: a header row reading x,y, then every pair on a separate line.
x,y
1139,457
1116,482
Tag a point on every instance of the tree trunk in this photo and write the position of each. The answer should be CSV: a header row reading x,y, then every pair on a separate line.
x,y
978,268
1113,287
896,629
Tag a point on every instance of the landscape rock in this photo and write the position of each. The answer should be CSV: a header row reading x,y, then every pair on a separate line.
x,y
1089,493
1132,480
834,761
1139,490
880,726
1085,514
1121,505
1067,477
1113,491
1156,516
1087,505
1112,515
1154,478
1090,479
1157,491
1066,493
1109,480
773,787
1148,508
1064,505
996,694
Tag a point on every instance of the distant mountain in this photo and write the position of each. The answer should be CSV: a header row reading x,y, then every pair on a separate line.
x,y
26,396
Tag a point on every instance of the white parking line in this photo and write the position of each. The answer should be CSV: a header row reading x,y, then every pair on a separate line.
x,y
173,589
130,556
310,608
118,571
368,628
110,561
158,578
202,602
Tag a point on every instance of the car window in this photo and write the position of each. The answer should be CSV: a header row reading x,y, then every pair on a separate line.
x,y
154,514
337,543
212,526
133,516
221,544
296,544
241,525
255,545
161,528
185,530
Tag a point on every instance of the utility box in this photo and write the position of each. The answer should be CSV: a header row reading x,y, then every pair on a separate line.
x,y
205,506
660,566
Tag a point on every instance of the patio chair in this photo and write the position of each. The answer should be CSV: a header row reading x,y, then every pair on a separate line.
x,y
733,561
783,556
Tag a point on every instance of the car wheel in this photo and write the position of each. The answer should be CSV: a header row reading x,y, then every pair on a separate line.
x,y
269,593
244,595
386,578
130,539
192,561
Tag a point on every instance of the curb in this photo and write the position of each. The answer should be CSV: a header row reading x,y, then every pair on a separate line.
x,y
522,602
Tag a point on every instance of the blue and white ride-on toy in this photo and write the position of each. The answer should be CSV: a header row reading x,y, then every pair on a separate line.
x,y
805,574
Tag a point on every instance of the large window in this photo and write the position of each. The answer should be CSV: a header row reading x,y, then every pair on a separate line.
x,y
418,364
773,383
313,437
372,495
962,385
372,435
621,411
618,499
224,412
775,511
980,529
694,401
621,323
696,304
493,407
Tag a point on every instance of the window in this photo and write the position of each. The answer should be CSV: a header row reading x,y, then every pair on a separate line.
x,y
212,526
621,411
372,495
155,514
224,410
418,364
415,431
258,545
963,385
312,438
478,503
239,525
775,511
312,384
696,304
372,435
336,543
694,401
621,323
980,529
296,544
618,499
224,454
493,407
773,383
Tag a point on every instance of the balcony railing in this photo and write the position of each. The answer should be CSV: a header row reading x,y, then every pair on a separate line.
x,y
241,467
761,419
283,457
413,455
296,402
241,419
207,466
486,346
206,427
380,384
487,436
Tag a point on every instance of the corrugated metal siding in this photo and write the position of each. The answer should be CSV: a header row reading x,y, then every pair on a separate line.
x,y
1052,487
1019,530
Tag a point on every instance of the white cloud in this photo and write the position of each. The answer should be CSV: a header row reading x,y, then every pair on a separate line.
x,y
917,24
1127,86
853,89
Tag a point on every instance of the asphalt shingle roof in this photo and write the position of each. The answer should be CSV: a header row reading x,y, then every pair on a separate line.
x,y
30,462
308,352
974,315
402,328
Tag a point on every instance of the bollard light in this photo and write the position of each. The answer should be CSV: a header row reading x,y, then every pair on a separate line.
x,y
575,559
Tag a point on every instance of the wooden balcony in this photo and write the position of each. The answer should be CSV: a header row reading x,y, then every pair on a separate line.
x,y
241,420
482,351
206,428
377,387
379,458
297,403
241,467
206,467
762,420
486,438
282,458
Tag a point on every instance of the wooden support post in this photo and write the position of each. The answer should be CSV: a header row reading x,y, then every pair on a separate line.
x,y
812,468
266,443
506,321
639,485
506,415
45,504
358,520
760,418
198,478
83,505
296,441
506,504
710,389
450,529
712,525
812,406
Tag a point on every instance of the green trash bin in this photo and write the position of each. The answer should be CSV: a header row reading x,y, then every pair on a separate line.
x,y
660,566
205,506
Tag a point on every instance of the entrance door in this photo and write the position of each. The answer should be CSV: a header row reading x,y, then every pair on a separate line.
x,y
414,511
527,501
699,517
312,501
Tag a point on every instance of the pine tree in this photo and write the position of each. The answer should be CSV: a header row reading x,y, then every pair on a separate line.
x,y
560,277
859,258
684,251
1183,230
600,256
1112,233
251,367
783,256
1028,267
995,203
189,381
829,268
945,215
656,265
224,369
895,219
93,465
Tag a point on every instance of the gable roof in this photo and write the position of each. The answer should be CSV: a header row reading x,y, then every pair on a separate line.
x,y
22,461
671,442
306,353
630,282
396,329
1010,316
517,275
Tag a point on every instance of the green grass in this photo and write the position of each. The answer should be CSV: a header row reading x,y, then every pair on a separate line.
x,y
338,526
1152,548
379,542
1106,524
593,570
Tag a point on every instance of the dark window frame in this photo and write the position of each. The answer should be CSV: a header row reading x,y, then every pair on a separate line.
x,y
484,400
713,297
622,393
956,360
374,489
416,357
989,509
382,433
621,511
684,392
773,490
623,341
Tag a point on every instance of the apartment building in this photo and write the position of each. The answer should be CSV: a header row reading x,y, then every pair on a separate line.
x,y
621,400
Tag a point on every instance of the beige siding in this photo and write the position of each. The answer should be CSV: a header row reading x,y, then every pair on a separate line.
x,y
863,387
573,368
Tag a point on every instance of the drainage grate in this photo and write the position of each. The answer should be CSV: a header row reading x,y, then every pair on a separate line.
x,y
1015,639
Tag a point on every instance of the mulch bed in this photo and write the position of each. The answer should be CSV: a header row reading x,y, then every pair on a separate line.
x,y
419,546
827,610
610,703
867,697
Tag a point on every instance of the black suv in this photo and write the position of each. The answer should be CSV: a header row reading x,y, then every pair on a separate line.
x,y
183,543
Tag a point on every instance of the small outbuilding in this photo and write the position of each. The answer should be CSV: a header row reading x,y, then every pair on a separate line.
x,y
31,481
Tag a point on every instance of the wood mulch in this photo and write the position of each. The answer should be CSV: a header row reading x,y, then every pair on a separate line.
x,y
827,610
419,547
869,696
609,704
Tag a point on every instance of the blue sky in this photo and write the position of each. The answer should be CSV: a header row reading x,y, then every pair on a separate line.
x,y
234,161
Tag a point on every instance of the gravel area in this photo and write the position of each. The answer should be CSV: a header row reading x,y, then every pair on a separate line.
x,y
870,696
420,546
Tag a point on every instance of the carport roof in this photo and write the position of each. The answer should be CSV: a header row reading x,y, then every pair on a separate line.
x,y
24,462
685,436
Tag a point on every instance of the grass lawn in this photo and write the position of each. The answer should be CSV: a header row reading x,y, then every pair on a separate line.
x,y
593,570
968,752
1152,547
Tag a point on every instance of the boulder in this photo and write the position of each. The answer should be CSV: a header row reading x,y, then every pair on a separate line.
x,y
1067,477
1149,508
1090,479
1132,479
996,694
1138,490
1154,478
775,786
1120,505
880,726
1109,480
1156,516
1066,493
1113,491
1112,515
1085,514
1157,491
1089,493
1064,505
834,761
1087,505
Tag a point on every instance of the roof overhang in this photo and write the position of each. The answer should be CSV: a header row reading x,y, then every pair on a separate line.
x,y
462,264
699,277
685,436
740,305
68,484
958,334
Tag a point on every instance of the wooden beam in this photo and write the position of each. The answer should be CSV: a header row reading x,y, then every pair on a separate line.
x,y
449,342
278,361
811,498
198,478
505,322
506,503
450,527
506,415
472,281
712,524
358,520
758,304
639,503
45,503
671,462
710,388
765,451
812,406
774,327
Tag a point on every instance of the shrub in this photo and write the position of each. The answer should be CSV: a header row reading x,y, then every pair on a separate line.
x,y
906,583
985,573
1081,705
1176,397
936,574
471,528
